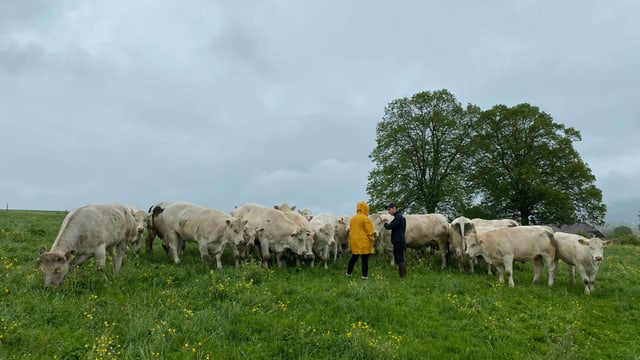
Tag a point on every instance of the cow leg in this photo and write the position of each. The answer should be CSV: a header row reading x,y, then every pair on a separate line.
x,y
264,252
118,256
592,282
500,269
460,258
236,255
151,234
572,273
538,268
551,269
508,269
203,246
443,253
280,259
101,256
79,260
219,260
173,243
588,285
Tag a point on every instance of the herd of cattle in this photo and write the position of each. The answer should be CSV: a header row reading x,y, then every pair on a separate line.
x,y
111,229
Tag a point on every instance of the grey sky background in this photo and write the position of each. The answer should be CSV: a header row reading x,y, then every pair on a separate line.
x,y
223,103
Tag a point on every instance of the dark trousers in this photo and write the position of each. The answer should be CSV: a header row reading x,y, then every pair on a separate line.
x,y
365,264
398,252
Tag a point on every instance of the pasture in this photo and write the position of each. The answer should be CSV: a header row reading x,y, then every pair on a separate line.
x,y
157,310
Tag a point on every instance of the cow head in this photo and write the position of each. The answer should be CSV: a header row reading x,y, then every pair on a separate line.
x,y
55,265
473,246
235,231
596,247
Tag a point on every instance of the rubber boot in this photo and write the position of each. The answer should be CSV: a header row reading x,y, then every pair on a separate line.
x,y
402,270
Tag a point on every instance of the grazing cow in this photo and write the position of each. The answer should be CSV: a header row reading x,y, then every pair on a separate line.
x,y
90,231
501,246
494,223
324,232
210,229
275,232
342,235
422,231
152,232
586,254
302,222
459,229
463,227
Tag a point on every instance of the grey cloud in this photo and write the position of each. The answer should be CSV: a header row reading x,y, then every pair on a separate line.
x,y
278,102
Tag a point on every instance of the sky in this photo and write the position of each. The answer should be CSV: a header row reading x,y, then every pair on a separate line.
x,y
222,103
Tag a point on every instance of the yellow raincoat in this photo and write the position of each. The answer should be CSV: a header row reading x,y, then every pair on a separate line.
x,y
361,235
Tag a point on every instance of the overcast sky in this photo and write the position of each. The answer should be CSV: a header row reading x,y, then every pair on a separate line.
x,y
223,103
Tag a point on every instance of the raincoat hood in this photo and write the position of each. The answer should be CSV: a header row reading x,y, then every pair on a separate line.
x,y
362,207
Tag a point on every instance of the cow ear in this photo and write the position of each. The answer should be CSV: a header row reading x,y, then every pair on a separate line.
x,y
293,207
583,242
276,207
228,222
605,243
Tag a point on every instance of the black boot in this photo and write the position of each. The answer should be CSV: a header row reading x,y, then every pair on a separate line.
x,y
402,270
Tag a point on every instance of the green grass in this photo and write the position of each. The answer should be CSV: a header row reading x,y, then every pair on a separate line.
x,y
157,310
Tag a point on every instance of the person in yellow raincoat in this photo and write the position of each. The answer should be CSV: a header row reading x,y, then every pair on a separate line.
x,y
361,238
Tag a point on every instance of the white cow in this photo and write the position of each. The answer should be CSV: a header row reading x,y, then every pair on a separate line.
x,y
422,231
306,213
90,231
152,232
342,235
382,235
459,229
501,246
462,227
302,222
494,223
210,229
324,231
586,254
275,232
141,217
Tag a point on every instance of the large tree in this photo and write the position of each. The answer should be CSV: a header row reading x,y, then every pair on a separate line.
x,y
418,157
525,165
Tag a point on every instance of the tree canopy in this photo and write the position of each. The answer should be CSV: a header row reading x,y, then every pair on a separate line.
x,y
524,165
421,142
434,155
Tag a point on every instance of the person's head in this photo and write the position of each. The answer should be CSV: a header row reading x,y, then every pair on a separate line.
x,y
362,207
392,208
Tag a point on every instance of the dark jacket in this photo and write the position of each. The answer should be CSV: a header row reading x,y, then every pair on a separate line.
x,y
398,226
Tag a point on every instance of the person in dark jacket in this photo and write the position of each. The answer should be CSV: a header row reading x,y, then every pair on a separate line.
x,y
398,227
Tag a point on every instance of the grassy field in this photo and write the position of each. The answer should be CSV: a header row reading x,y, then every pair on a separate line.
x,y
157,310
